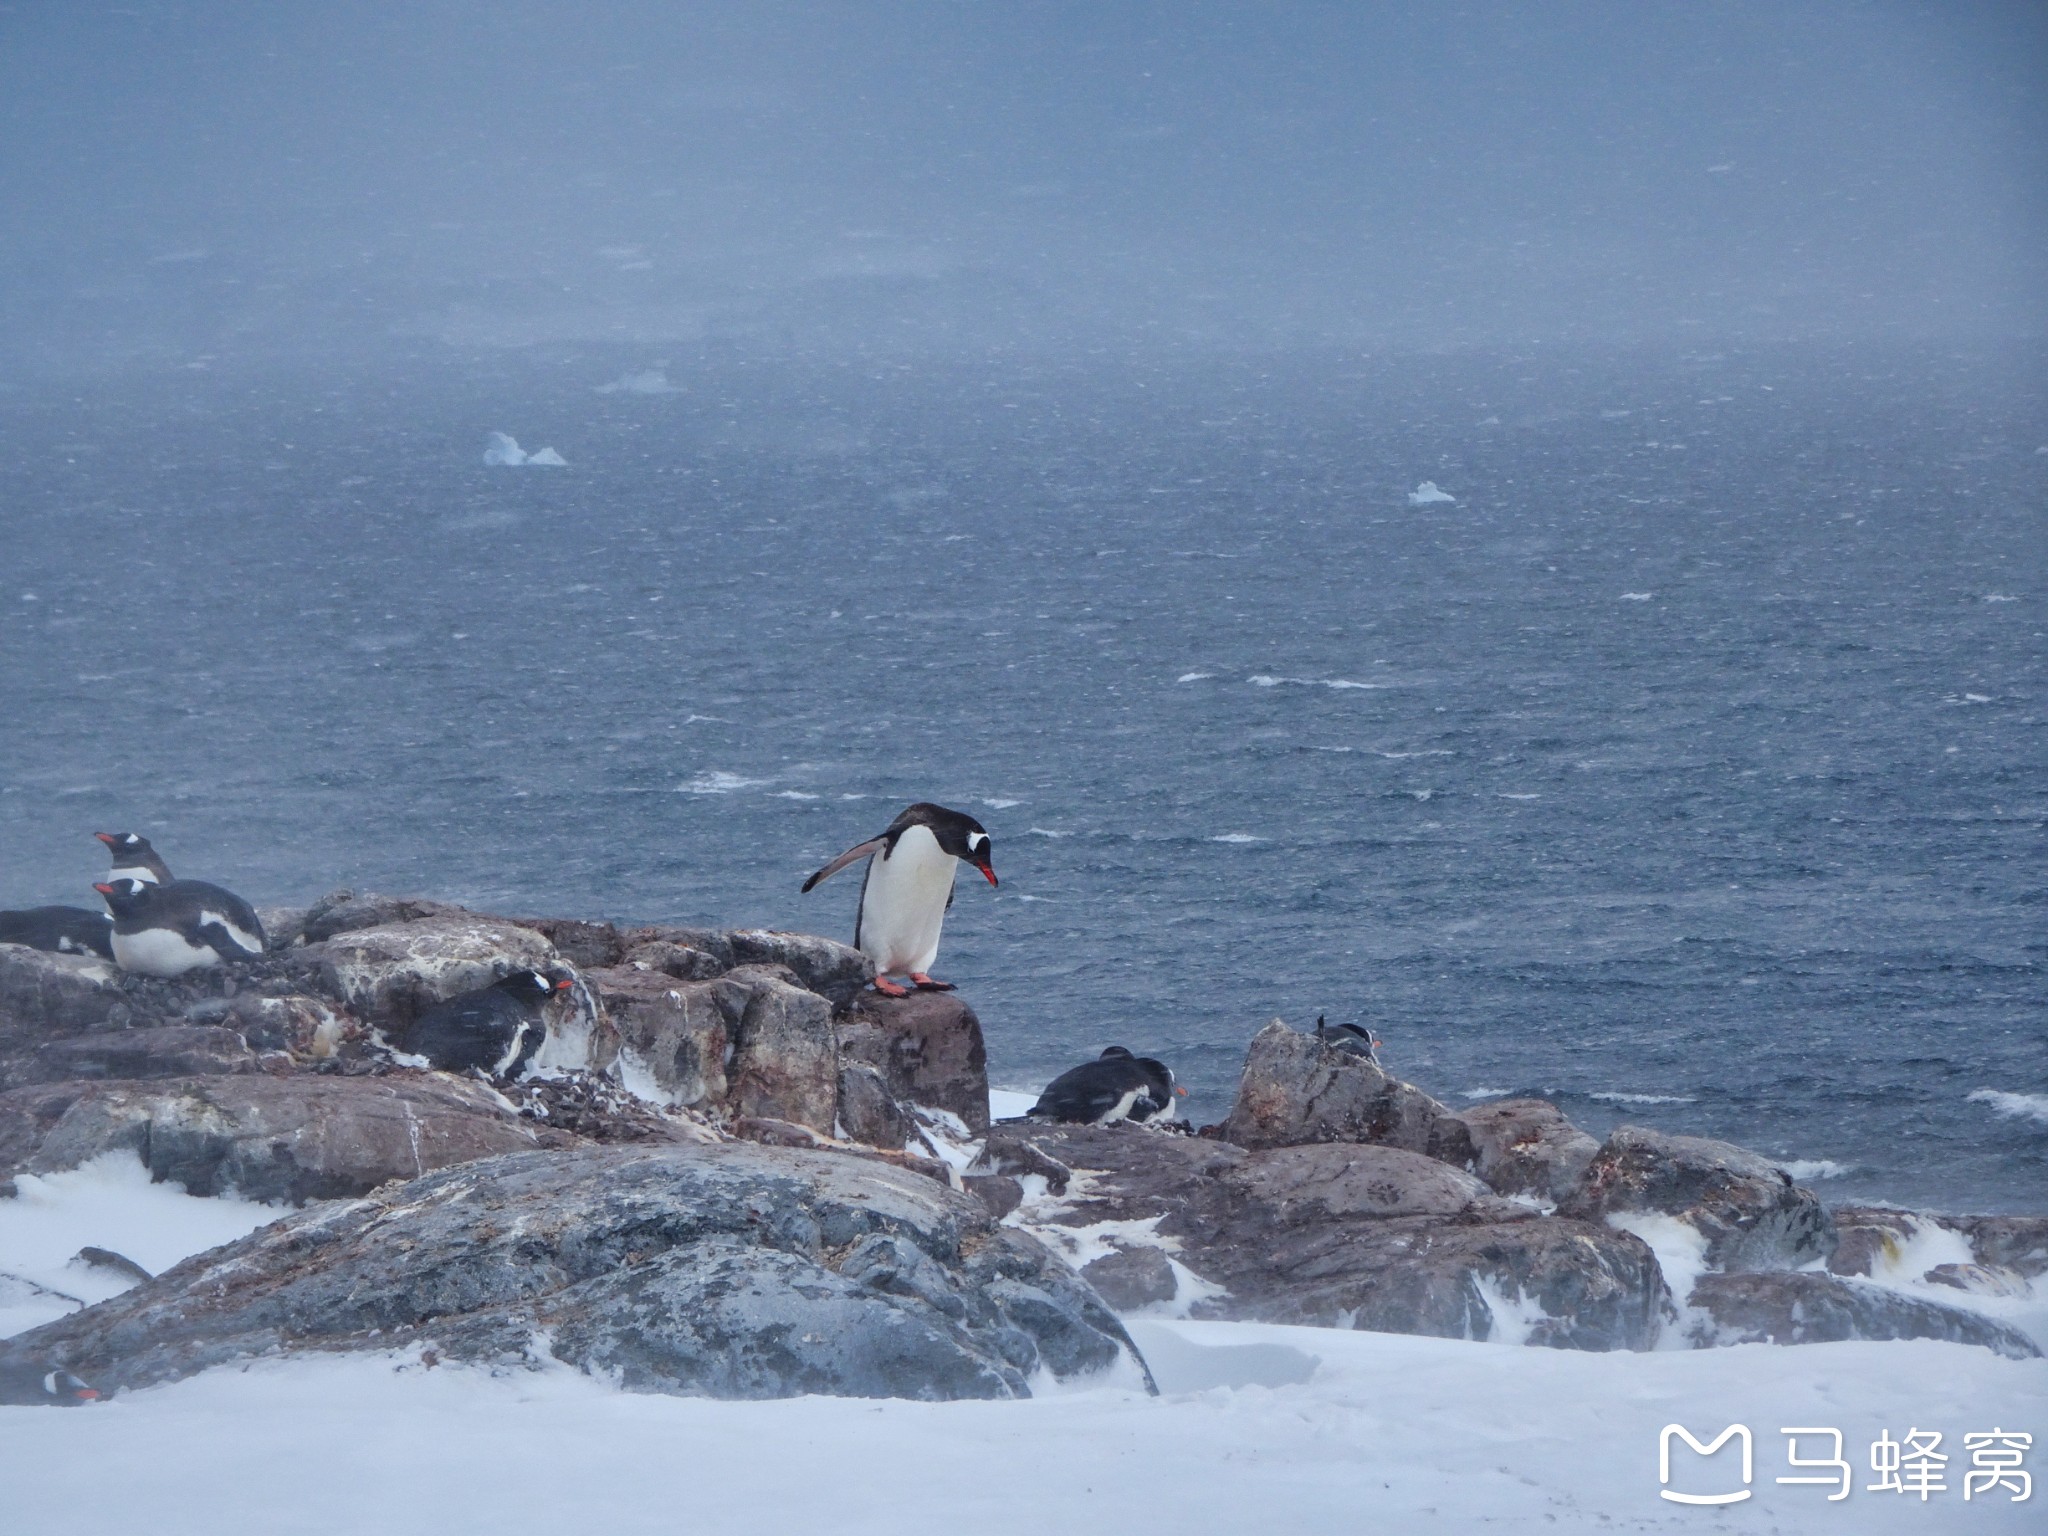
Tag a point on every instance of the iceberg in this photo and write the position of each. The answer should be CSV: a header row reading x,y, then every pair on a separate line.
x,y
1426,493
503,448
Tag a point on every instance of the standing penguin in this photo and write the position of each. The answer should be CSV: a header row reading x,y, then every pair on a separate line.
x,y
179,926
134,859
908,888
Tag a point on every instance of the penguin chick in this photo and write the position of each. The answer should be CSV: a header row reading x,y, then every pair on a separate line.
x,y
494,1030
1115,1086
178,926
134,859
908,888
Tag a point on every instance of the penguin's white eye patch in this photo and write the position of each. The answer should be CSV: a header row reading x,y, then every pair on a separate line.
x,y
975,841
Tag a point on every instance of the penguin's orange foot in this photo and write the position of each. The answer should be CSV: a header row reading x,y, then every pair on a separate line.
x,y
889,988
926,984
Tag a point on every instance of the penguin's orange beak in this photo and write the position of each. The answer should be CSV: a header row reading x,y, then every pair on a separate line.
x,y
105,837
988,870
104,890
1180,1090
87,1395
564,984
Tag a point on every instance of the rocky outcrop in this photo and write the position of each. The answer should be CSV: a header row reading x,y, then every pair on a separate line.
x,y
1749,1211
927,1048
673,1037
785,1062
725,1271
1527,1147
1338,1234
1298,1089
292,1138
1807,1308
389,974
191,1050
868,1112
44,993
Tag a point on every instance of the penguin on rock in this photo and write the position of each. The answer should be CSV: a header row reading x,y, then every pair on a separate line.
x,y
494,1030
908,889
1115,1086
179,926
62,930
134,859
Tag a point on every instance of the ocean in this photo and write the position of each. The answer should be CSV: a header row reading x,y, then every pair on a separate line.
x,y
1686,766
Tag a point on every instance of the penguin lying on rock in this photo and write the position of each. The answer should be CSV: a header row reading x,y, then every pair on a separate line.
x,y
63,930
178,926
1115,1086
908,888
29,1386
134,859
494,1030
1355,1038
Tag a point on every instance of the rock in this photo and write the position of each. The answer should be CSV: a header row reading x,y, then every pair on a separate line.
x,y
1337,1234
1868,1238
998,1193
833,970
388,974
584,945
1785,1307
282,926
1980,1280
785,1062
305,1028
867,1110
1297,1089
1132,1278
2017,1243
173,1051
673,1037
1749,1211
679,961
113,1263
928,1048
48,993
705,941
731,1271
290,1138
344,911
1527,1147
595,1107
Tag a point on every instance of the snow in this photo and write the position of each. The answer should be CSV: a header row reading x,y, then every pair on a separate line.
x,y
1259,1428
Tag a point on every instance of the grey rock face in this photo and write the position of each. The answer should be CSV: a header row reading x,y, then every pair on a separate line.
x,y
50,993
727,1271
682,962
1804,1308
1527,1147
928,1048
836,971
1342,1235
344,911
785,1061
390,973
290,1138
1298,1089
868,1112
191,1050
2017,1243
1132,1278
306,1029
1750,1212
678,1034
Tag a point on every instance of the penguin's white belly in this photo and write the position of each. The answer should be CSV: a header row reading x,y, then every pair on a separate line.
x,y
903,905
160,952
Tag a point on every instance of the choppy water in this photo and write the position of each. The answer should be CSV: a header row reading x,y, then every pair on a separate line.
x,y
1687,768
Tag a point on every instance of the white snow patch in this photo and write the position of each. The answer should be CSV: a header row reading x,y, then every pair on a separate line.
x,y
1681,1250
1427,494
1515,1317
2029,1106
1010,1103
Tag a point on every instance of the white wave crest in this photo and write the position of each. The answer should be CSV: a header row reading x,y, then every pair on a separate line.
x,y
1642,1098
717,782
1807,1170
2019,1106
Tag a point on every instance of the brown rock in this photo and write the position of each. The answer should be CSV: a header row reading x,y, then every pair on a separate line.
x,y
1791,1307
682,962
674,1037
928,1048
172,1051
1867,1238
305,1028
998,1193
1132,1278
2018,1243
1750,1212
868,1112
344,911
1527,1147
267,1138
1297,1089
785,1064
47,993
830,969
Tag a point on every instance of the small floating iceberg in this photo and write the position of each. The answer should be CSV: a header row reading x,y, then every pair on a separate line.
x,y
503,448
648,381
1427,493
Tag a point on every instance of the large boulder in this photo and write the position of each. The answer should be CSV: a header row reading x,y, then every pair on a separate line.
x,y
188,1050
1749,1211
1527,1147
1791,1307
1332,1234
2017,1243
302,1137
48,993
733,1271
834,970
868,1112
673,1036
785,1061
345,911
927,1047
389,973
1298,1089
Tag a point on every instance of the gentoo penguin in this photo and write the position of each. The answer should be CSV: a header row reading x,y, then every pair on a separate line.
x,y
179,926
29,1386
1115,1086
908,889
495,1029
66,930
134,859
1355,1038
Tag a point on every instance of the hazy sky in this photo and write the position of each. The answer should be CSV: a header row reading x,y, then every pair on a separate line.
x,y
190,179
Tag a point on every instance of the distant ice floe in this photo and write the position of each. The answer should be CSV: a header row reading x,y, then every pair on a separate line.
x,y
1808,1170
717,782
1642,1098
1000,805
1267,680
2019,1106
1427,494
648,381
1637,597
1193,677
503,448
1046,832
1236,837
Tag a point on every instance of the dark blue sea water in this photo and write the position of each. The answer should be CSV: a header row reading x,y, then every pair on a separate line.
x,y
1688,767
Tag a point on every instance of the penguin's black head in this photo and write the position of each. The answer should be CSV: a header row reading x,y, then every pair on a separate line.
x,y
1162,1075
1116,1053
536,986
66,1390
124,894
125,845
962,836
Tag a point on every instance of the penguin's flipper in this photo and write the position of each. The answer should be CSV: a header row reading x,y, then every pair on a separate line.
x,y
857,851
